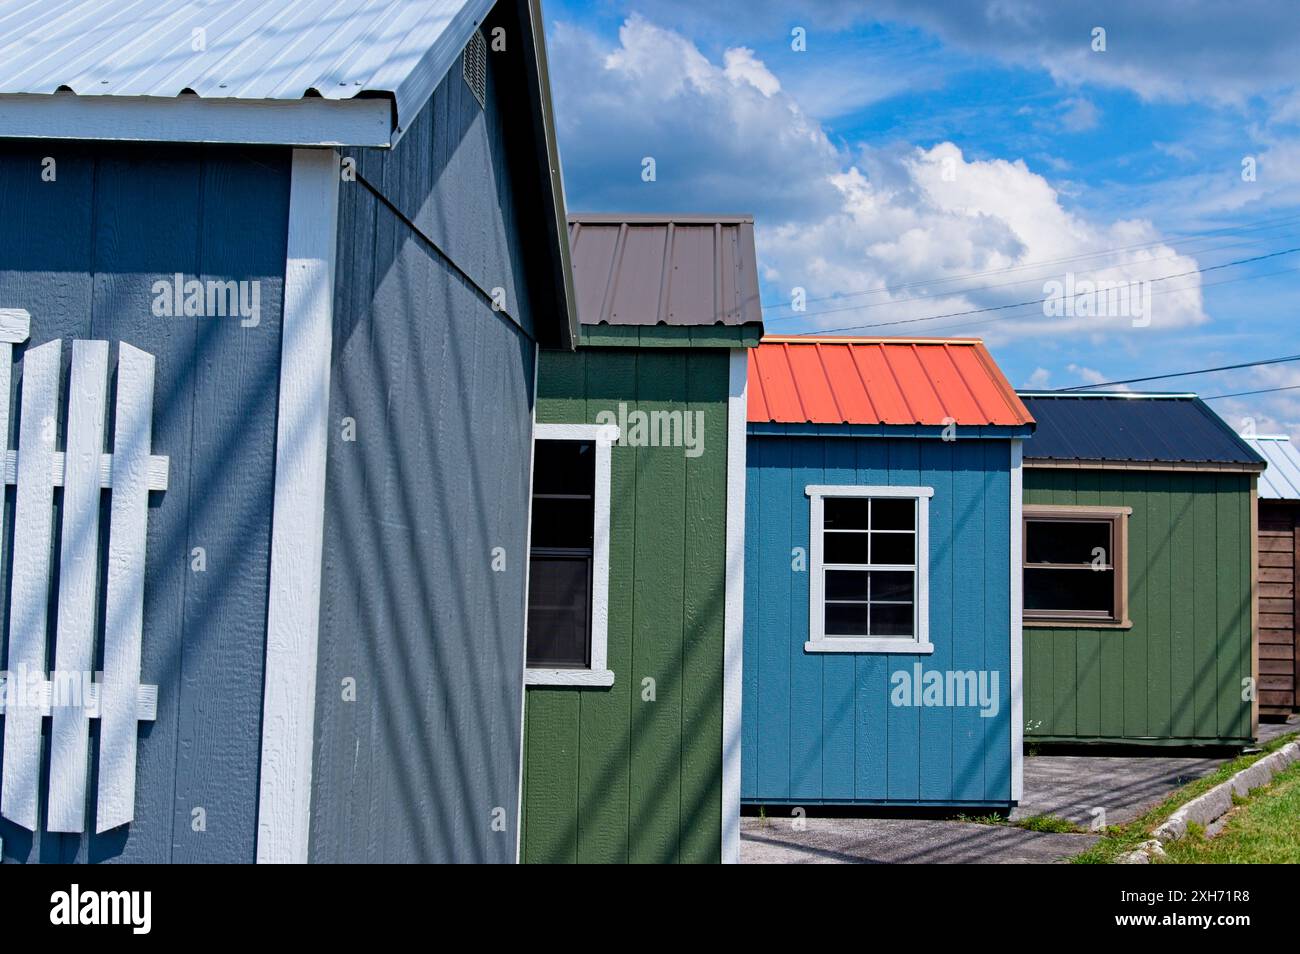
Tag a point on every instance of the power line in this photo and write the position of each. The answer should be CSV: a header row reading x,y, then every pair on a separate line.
x,y
1218,397
1023,304
1260,225
1183,374
1024,281
1166,291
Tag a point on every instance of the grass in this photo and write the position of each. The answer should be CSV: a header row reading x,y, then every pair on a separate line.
x,y
1120,839
992,819
1049,823
1263,829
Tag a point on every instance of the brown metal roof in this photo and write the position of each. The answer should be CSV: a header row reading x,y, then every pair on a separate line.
x,y
665,269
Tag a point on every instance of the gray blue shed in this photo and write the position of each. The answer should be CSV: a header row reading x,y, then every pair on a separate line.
x,y
321,244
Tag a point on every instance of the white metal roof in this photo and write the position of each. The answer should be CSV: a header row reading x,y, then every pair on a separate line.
x,y
234,51
1281,481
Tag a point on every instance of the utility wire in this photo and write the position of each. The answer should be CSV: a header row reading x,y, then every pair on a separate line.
x,y
1023,304
1219,397
1167,291
1022,281
1260,225
1183,374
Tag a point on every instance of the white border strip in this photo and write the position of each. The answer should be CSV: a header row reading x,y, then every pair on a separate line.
x,y
1017,625
598,673
298,520
523,653
734,618
287,122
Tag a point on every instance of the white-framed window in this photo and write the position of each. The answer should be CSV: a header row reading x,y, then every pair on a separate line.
x,y
869,569
568,558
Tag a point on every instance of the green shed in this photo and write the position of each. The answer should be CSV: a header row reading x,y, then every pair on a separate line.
x,y
1139,588
632,698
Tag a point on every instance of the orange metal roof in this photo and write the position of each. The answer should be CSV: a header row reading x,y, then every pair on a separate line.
x,y
906,381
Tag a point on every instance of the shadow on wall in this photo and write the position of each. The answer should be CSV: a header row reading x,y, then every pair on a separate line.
x,y
83,264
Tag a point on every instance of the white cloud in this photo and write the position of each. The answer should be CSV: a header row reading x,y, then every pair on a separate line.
x,y
729,138
1038,381
917,222
743,67
1079,115
1275,412
1088,375
1157,48
724,138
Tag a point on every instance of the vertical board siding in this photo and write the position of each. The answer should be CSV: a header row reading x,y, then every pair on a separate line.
x,y
609,775
833,710
1279,662
424,764
82,256
455,178
1177,674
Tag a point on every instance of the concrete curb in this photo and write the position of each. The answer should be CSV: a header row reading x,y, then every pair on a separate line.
x,y
1205,809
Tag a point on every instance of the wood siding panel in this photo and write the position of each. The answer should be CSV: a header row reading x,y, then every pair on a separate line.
x,y
1189,597
618,776
440,386
871,751
1279,650
82,256
842,711
704,573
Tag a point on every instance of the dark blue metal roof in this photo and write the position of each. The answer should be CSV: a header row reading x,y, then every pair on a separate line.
x,y
1132,427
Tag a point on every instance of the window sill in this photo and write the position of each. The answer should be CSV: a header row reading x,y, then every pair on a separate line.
x,y
1075,624
838,644
601,678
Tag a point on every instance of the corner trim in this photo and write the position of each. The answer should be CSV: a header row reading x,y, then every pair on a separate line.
x,y
1044,463
523,643
734,607
1017,624
298,517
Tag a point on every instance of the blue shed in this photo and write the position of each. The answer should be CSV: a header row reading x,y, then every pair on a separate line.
x,y
272,286
882,613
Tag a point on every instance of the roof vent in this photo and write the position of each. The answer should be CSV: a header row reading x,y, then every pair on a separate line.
x,y
474,62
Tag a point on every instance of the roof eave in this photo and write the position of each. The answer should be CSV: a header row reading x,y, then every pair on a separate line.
x,y
311,121
1161,465
548,157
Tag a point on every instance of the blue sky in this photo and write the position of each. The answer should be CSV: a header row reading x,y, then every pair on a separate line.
x,y
922,158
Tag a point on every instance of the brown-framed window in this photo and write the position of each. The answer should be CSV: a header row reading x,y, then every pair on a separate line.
x,y
1076,565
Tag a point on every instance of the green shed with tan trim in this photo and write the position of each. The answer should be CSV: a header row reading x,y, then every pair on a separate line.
x,y
1139,588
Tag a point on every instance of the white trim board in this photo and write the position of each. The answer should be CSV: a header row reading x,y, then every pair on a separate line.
x,y
598,673
298,518
818,641
523,652
310,121
734,607
1017,625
